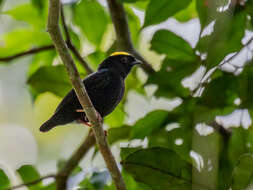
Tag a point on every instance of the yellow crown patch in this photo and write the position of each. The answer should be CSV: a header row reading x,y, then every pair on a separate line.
x,y
119,53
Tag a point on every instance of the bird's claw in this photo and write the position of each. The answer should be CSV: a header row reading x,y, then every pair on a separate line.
x,y
80,111
99,118
85,123
106,133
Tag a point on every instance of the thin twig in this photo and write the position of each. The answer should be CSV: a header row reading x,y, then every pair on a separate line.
x,y
91,113
233,56
32,182
73,161
204,79
70,45
121,27
28,52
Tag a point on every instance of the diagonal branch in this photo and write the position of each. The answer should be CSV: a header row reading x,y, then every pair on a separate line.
x,y
121,27
91,113
72,47
28,52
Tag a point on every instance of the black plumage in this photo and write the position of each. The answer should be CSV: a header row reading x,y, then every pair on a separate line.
x,y
105,88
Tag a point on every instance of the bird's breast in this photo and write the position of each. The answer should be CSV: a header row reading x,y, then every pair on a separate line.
x,y
108,98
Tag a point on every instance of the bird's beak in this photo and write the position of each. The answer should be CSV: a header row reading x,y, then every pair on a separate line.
x,y
136,62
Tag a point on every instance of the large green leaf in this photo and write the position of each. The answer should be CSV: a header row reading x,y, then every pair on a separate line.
x,y
172,139
50,78
152,121
27,13
28,173
92,19
10,44
172,45
160,168
118,133
243,172
158,11
4,180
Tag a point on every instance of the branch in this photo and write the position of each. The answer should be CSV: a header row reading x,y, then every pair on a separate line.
x,y
29,52
72,47
64,173
121,27
91,113
32,182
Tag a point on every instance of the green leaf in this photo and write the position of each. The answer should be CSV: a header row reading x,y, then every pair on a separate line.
x,y
50,79
92,19
39,60
168,140
237,144
227,26
51,186
125,152
203,9
118,133
246,91
172,45
160,168
10,44
4,180
116,118
27,13
151,122
243,172
188,13
207,10
169,78
28,173
158,11
221,92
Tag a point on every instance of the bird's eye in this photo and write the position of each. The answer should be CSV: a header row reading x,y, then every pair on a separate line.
x,y
124,60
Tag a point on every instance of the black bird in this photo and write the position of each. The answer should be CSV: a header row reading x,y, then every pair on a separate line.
x,y
104,87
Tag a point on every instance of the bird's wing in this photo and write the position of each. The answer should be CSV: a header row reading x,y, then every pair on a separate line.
x,y
97,80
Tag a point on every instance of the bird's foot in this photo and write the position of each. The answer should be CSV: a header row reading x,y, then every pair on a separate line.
x,y
80,111
100,119
106,133
85,123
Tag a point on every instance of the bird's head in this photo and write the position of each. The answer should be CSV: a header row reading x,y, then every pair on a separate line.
x,y
120,62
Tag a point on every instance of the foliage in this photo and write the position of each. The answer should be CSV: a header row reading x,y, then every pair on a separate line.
x,y
174,157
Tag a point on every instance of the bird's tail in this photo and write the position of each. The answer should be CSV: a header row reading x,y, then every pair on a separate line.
x,y
49,124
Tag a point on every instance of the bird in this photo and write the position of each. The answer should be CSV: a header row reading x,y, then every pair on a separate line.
x,y
105,88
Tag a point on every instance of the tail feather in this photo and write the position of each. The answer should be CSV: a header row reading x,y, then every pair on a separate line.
x,y
49,124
